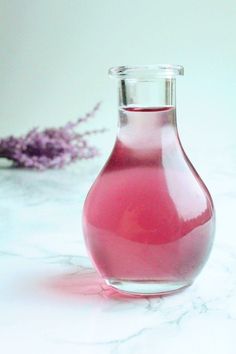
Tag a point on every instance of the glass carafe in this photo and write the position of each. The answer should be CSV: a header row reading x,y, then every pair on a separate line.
x,y
148,218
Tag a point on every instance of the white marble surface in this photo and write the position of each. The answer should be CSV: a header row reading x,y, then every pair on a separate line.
x,y
52,301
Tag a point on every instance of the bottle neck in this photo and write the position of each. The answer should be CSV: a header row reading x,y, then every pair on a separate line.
x,y
147,109
148,131
147,114
147,94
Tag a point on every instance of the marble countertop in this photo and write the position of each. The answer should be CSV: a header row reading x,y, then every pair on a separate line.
x,y
52,301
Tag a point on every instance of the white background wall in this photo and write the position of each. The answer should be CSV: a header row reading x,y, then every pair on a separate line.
x,y
54,56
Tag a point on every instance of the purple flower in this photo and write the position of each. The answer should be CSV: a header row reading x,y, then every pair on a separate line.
x,y
51,147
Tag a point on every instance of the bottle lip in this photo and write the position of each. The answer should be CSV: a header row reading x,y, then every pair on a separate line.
x,y
146,72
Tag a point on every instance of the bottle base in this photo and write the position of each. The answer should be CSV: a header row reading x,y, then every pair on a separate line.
x,y
146,287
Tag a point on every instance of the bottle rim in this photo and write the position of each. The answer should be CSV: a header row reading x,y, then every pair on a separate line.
x,y
146,72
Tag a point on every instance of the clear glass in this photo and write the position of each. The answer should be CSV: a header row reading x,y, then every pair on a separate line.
x,y
148,219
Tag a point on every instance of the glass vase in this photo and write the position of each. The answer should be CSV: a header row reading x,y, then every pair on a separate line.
x,y
148,219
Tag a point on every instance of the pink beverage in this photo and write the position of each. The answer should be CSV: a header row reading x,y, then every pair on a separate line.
x,y
148,218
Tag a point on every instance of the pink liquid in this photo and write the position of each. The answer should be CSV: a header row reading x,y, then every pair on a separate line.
x,y
148,215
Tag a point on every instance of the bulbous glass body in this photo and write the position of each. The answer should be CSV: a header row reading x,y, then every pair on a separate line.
x,y
148,219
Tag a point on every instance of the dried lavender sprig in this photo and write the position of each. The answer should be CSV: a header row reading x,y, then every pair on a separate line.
x,y
51,147
86,117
